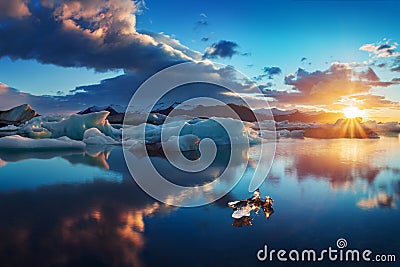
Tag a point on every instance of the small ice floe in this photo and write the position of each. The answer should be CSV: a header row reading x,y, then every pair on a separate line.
x,y
19,142
242,208
9,128
242,211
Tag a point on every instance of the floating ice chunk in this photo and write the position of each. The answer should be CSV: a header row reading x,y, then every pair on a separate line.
x,y
152,132
266,134
242,211
9,128
186,143
297,134
236,132
284,133
93,136
75,126
392,126
266,125
19,142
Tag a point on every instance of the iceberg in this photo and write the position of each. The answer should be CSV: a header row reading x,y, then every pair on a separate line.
x,y
266,134
186,143
235,131
93,136
299,134
9,128
34,129
383,127
73,126
19,142
116,115
242,212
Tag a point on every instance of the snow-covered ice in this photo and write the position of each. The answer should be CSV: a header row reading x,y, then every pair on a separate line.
x,y
183,143
93,136
9,128
19,142
73,126
383,127
235,131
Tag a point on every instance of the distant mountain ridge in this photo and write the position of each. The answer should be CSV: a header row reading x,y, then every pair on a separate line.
x,y
243,112
113,109
116,116
247,114
306,117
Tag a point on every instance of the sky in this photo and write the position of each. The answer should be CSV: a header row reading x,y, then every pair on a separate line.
x,y
62,56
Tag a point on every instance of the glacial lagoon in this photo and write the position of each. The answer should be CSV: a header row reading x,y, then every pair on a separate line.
x,y
75,208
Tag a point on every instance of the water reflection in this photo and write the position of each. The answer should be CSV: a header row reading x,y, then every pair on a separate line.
x,y
380,200
94,224
202,186
92,156
112,222
369,169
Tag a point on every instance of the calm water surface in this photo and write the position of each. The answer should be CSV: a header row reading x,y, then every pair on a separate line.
x,y
83,209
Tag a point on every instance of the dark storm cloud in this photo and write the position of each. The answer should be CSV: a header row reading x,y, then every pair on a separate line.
x,y
92,34
223,49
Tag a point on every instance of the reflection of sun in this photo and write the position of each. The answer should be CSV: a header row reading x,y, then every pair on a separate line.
x,y
353,112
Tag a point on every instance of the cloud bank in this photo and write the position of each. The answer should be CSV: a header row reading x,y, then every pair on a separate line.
x,y
333,88
99,34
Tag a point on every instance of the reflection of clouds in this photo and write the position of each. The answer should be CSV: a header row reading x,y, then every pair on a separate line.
x,y
69,224
363,166
380,200
341,162
2,163
128,229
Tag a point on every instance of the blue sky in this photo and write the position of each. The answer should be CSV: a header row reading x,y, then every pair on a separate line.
x,y
267,33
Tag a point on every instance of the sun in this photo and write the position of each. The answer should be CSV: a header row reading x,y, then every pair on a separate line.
x,y
353,112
